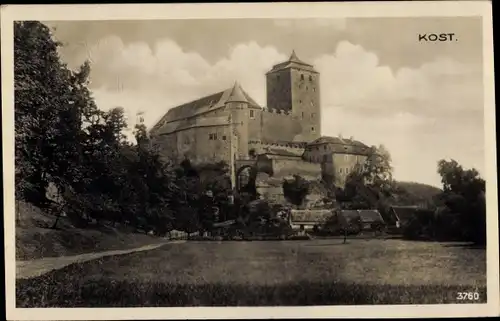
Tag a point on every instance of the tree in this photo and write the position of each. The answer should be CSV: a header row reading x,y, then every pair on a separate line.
x,y
46,115
464,196
296,190
377,169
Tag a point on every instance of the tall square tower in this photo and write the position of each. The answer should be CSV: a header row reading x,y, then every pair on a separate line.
x,y
293,86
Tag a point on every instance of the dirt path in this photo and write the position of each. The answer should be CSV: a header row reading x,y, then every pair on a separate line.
x,y
34,268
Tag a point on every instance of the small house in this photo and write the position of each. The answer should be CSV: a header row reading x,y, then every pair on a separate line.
x,y
402,215
310,219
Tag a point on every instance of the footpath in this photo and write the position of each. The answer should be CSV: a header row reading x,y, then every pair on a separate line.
x,y
34,268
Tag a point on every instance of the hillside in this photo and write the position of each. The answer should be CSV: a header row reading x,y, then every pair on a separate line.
x,y
36,239
412,193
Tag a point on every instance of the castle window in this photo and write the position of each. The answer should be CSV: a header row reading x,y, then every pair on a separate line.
x,y
224,137
302,114
212,136
301,77
324,147
310,78
340,170
312,129
252,114
314,89
325,158
300,101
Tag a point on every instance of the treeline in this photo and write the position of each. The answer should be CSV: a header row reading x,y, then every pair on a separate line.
x,y
62,138
457,212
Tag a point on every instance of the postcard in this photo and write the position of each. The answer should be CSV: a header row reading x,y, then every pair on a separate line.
x,y
271,160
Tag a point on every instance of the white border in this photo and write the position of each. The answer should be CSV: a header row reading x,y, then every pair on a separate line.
x,y
234,11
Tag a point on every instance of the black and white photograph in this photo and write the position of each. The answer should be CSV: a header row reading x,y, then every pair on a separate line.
x,y
304,156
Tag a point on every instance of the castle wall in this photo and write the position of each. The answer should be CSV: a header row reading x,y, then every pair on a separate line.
x,y
199,144
306,102
279,91
280,126
289,166
255,124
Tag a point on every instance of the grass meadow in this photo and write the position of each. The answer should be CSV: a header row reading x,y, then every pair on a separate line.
x,y
266,273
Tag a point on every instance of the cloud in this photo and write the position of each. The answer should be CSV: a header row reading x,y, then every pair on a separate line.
x,y
421,114
138,77
354,79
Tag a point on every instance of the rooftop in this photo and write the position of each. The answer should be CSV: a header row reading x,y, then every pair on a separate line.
x,y
205,104
293,62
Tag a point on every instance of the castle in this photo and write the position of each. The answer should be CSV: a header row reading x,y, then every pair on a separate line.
x,y
283,138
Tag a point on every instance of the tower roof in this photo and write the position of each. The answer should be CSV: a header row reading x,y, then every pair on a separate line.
x,y
237,94
293,62
294,58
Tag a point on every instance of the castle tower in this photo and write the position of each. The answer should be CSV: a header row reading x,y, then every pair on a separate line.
x,y
237,104
293,86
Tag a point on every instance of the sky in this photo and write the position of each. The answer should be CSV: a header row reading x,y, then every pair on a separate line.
x,y
422,100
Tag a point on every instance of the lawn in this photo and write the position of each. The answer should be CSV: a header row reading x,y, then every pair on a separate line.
x,y
318,272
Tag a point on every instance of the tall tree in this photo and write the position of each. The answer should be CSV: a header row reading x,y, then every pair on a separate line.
x,y
464,195
46,116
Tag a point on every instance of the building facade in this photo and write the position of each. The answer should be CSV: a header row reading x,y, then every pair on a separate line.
x,y
230,126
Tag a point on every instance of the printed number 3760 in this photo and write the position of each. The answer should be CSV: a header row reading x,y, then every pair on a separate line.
x,y
469,296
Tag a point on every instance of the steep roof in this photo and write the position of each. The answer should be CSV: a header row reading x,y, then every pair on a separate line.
x,y
370,216
282,152
310,216
340,145
205,104
348,216
237,94
197,122
293,62
404,213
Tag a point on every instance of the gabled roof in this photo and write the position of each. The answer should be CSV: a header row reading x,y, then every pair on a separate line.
x,y
281,152
348,216
404,213
364,216
293,62
341,145
205,104
370,216
310,216
198,122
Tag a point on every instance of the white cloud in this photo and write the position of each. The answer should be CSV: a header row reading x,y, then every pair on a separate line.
x,y
415,112
353,78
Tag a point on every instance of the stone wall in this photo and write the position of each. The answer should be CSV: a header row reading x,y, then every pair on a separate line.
x,y
280,126
199,144
289,166
279,94
306,102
